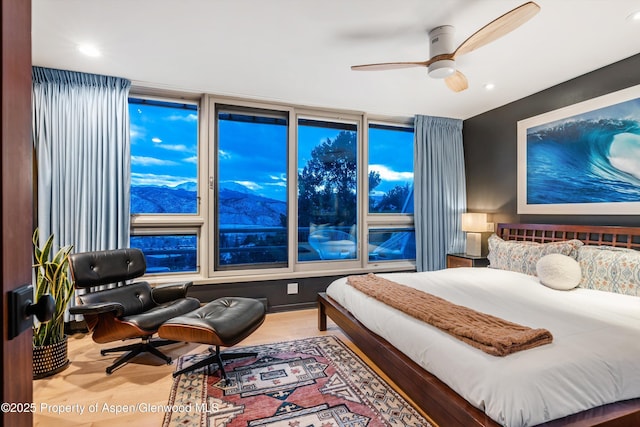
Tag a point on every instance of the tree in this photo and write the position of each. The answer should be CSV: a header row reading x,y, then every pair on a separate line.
x,y
374,181
394,200
327,185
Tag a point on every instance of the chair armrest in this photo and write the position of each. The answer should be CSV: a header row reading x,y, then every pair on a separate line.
x,y
98,308
170,292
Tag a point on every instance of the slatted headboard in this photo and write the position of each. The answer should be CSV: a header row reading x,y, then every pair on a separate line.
x,y
623,237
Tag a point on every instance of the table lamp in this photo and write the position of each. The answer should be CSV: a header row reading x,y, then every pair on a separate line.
x,y
474,224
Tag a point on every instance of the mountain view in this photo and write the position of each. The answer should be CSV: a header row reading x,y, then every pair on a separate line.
x,y
238,205
155,199
252,227
246,208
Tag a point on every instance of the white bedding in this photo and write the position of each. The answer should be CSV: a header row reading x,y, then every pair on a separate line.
x,y
593,359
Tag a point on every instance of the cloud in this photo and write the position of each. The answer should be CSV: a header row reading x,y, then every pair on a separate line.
x,y
158,180
175,147
281,177
151,161
136,132
387,174
279,181
188,118
276,184
192,159
224,154
251,185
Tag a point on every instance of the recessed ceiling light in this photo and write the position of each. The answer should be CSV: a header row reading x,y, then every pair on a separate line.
x,y
489,86
635,16
89,50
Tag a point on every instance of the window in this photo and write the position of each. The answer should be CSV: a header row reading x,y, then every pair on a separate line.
x,y
164,160
168,253
164,183
251,202
390,169
392,244
275,191
327,190
391,236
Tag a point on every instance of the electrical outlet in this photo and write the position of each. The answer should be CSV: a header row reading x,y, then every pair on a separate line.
x,y
292,288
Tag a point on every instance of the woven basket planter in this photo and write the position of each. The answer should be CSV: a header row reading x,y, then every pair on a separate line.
x,y
50,359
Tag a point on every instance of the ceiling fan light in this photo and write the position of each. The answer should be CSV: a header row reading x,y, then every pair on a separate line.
x,y
634,17
442,69
89,50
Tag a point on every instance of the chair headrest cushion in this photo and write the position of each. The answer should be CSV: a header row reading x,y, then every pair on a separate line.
x,y
104,267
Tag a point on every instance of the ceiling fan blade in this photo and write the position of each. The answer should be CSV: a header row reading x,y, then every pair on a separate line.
x,y
498,28
397,65
457,82
389,66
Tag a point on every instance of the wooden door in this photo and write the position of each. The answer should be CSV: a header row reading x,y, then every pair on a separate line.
x,y
17,203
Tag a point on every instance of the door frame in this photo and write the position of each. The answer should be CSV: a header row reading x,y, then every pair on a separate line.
x,y
16,205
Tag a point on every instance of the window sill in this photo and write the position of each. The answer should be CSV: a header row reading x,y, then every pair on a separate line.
x,y
260,276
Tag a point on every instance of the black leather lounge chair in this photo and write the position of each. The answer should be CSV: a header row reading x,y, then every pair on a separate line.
x,y
131,310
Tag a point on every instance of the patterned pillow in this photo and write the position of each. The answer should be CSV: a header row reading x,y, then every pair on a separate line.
x,y
522,256
610,269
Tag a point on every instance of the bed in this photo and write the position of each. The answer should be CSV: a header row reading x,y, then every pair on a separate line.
x,y
442,399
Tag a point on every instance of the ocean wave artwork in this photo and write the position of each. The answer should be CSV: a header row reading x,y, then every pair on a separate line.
x,y
592,157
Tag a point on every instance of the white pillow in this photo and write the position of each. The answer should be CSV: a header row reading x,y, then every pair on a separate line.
x,y
559,272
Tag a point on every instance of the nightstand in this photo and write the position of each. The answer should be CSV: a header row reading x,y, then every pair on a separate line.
x,y
464,260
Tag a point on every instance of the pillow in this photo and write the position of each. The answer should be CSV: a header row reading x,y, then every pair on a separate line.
x,y
610,269
559,272
522,256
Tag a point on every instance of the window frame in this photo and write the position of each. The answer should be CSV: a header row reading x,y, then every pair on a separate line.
x,y
249,108
386,220
204,223
406,125
331,265
212,188
157,217
172,231
176,223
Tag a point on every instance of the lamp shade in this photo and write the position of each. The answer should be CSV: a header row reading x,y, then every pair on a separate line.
x,y
476,222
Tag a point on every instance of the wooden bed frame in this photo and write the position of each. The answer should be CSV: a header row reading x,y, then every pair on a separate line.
x,y
444,406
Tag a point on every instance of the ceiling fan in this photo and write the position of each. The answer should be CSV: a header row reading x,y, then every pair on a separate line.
x,y
442,62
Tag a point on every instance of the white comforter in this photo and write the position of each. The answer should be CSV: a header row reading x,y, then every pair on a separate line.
x,y
593,359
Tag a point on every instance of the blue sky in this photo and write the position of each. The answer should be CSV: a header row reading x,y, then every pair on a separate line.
x,y
164,151
255,156
164,145
391,155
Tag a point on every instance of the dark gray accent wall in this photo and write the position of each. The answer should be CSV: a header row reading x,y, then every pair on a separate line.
x,y
273,291
490,145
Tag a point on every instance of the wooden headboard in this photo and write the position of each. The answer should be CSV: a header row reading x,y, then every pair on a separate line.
x,y
608,235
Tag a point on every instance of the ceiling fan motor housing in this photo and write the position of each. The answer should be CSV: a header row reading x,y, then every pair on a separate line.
x,y
441,43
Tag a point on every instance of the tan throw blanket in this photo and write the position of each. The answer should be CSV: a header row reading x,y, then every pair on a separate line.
x,y
490,334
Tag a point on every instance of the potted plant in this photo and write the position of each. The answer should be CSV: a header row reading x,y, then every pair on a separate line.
x,y
52,277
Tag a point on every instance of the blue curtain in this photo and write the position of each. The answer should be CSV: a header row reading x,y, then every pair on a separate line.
x,y
440,194
81,141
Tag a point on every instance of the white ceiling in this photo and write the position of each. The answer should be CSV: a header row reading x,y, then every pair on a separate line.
x,y
300,51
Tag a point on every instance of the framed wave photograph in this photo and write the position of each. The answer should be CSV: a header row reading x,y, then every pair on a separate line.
x,y
582,159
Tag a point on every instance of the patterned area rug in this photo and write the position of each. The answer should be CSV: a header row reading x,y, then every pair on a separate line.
x,y
314,382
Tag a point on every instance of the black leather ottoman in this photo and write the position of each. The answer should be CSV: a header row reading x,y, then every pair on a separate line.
x,y
223,322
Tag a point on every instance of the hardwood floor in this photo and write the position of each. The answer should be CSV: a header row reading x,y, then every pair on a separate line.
x,y
84,386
